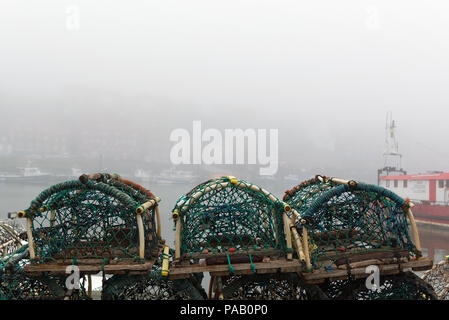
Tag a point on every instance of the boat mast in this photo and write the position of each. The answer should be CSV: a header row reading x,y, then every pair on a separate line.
x,y
392,157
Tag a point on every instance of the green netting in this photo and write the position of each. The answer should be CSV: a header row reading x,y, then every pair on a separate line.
x,y
153,286
280,286
227,215
404,286
13,259
344,220
15,284
10,239
91,220
438,278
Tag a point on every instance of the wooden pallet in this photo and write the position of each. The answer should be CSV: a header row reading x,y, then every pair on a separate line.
x,y
92,266
285,266
281,265
321,275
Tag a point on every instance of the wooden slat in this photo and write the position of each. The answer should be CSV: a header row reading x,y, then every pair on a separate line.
x,y
360,272
241,268
352,253
112,269
264,252
119,268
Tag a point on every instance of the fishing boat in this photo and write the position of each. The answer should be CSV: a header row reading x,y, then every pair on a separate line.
x,y
429,192
28,175
172,176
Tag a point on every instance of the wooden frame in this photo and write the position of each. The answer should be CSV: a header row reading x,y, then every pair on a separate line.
x,y
30,238
319,276
158,222
288,236
178,239
305,239
281,265
86,267
165,262
411,218
141,237
145,206
141,209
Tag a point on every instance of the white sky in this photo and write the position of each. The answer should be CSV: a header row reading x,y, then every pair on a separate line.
x,y
324,72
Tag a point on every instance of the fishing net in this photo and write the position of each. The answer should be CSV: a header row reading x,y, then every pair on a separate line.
x,y
92,219
438,278
279,286
153,286
10,238
351,219
404,286
227,216
15,284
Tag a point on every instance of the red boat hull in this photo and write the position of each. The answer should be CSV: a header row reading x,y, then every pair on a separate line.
x,y
431,213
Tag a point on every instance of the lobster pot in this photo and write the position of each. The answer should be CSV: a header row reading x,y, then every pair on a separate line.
x,y
96,221
345,220
10,239
152,286
228,216
438,278
15,284
278,286
403,286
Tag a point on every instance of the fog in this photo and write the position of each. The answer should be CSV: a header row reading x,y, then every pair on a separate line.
x,y
101,84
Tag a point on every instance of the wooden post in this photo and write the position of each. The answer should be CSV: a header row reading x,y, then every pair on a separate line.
x,y
30,238
178,240
299,248
339,181
165,262
141,237
288,236
305,239
295,215
158,222
141,209
414,230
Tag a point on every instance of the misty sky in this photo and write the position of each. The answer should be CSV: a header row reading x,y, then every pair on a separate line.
x,y
323,72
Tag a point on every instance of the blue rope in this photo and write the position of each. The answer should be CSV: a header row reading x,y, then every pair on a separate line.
x,y
253,267
102,265
231,268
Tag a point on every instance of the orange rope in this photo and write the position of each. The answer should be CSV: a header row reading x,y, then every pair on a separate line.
x,y
137,186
